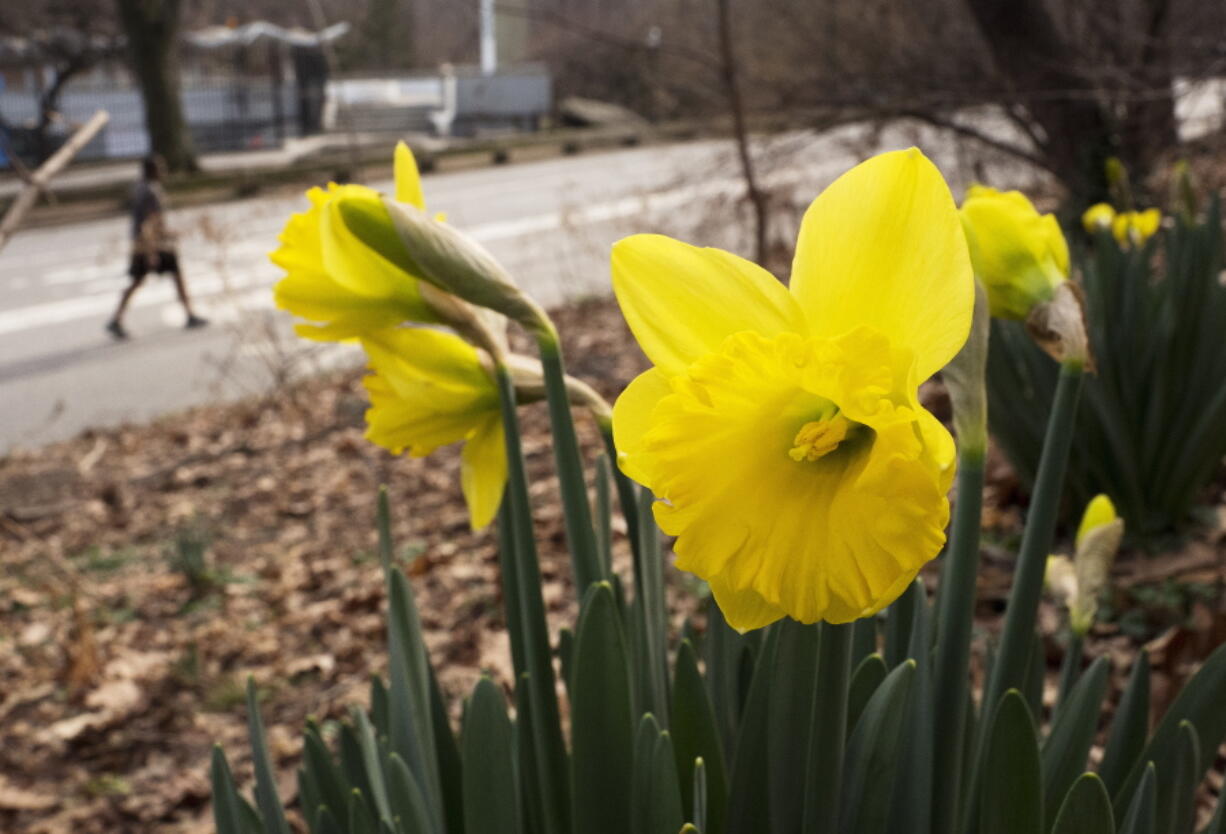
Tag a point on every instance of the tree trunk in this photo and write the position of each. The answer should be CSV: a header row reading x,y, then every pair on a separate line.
x,y
1038,64
152,29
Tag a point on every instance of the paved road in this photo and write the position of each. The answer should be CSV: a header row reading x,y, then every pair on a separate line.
x,y
550,222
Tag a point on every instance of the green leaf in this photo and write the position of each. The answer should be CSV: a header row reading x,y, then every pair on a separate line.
x,y
1017,635
1036,676
695,735
652,609
864,682
1200,704
701,802
354,767
1012,788
828,730
530,793
548,755
448,755
1070,669
372,763
1086,809
1129,727
864,639
1072,733
899,619
602,720
490,787
1142,816
748,790
308,793
410,724
655,795
408,802
227,813
604,515
378,706
361,821
317,762
911,804
576,512
954,620
566,658
790,714
325,823
266,797
873,755
1182,797
724,649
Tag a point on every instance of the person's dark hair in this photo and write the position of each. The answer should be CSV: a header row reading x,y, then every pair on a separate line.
x,y
151,167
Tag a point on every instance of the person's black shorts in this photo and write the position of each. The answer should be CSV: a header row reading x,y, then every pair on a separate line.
x,y
167,261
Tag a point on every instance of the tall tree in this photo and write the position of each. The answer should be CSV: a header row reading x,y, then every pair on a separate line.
x,y
152,29
1076,119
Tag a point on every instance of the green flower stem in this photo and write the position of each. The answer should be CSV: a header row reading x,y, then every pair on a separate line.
x,y
549,747
954,622
626,496
965,379
1009,668
577,512
828,730
1070,669
510,588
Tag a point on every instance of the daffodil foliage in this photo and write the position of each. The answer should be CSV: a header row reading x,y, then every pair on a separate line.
x,y
780,437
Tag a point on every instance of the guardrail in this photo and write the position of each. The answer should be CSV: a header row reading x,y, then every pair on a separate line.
x,y
348,163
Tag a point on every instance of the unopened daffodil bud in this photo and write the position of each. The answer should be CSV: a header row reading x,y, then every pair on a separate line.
x,y
346,288
441,255
1098,218
1081,581
1134,228
1019,255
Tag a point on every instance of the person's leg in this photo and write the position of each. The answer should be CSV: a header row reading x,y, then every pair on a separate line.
x,y
171,264
136,272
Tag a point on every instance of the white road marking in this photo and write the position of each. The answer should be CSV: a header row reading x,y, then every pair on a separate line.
x,y
100,286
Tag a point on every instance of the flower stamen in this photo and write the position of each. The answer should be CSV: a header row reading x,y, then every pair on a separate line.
x,y
818,438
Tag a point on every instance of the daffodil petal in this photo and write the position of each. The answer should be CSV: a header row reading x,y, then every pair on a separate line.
x,y
883,247
408,178
483,471
415,423
435,356
744,609
682,301
632,419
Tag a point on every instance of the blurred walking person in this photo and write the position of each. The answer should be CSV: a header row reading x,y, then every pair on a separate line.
x,y
153,245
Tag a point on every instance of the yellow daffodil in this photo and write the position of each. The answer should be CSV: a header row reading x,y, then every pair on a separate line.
x,y
1133,228
349,288
428,389
1021,256
780,429
1098,218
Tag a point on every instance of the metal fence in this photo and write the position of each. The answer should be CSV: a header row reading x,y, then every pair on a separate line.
x,y
222,115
